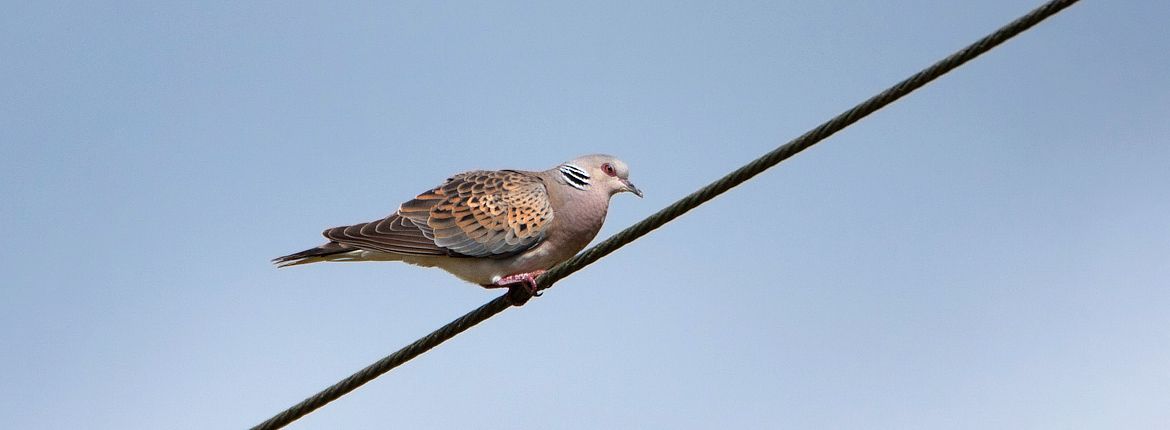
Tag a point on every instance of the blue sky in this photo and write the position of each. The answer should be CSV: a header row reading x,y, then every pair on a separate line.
x,y
991,252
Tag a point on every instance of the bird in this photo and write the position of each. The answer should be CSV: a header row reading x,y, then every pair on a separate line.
x,y
494,228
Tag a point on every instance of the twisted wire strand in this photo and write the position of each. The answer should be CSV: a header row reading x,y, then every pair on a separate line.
x,y
669,213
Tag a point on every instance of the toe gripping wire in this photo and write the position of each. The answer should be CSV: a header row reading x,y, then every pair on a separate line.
x,y
669,213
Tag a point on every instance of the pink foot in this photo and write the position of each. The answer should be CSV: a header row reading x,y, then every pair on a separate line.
x,y
521,286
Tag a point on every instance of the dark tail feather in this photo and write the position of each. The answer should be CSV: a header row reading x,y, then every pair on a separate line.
x,y
311,255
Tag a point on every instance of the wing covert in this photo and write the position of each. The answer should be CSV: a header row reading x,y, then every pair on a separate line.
x,y
484,213
473,214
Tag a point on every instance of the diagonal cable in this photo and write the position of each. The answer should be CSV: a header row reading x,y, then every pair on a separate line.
x,y
671,212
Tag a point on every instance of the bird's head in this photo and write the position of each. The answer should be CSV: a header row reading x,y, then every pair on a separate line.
x,y
598,172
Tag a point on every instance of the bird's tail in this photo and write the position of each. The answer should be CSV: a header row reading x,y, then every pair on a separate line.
x,y
313,255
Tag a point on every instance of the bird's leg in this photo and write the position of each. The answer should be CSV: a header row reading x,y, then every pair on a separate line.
x,y
521,286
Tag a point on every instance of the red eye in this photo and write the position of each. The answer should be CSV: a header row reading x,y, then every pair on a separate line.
x,y
608,169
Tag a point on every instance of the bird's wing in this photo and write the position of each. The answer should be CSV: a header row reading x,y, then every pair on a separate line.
x,y
484,213
473,214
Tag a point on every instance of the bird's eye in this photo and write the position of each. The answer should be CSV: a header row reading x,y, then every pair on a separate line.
x,y
608,169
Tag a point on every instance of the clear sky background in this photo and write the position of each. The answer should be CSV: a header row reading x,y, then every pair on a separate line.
x,y
991,252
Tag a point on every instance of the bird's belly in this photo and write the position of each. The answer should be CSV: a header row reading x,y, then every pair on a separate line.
x,y
486,271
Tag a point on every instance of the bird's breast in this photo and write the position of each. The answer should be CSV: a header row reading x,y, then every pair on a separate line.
x,y
575,226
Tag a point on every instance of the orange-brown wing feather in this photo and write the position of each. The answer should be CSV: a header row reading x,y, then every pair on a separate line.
x,y
483,213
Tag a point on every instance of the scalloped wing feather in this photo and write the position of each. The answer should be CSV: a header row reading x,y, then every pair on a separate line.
x,y
473,214
484,213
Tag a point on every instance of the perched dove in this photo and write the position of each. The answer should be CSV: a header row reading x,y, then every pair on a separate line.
x,y
494,228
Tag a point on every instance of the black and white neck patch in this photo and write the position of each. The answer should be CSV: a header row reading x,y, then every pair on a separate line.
x,y
575,176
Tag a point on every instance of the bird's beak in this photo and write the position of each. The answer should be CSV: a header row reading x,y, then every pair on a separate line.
x,y
631,188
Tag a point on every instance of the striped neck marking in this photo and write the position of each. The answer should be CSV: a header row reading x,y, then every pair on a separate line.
x,y
575,176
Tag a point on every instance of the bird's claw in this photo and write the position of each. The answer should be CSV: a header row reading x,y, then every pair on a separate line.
x,y
521,286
